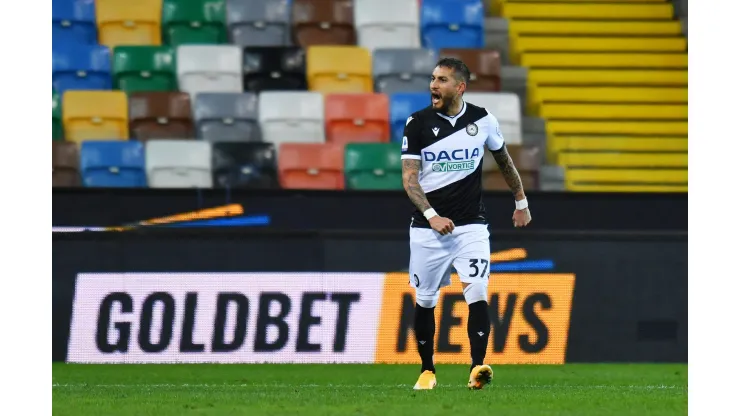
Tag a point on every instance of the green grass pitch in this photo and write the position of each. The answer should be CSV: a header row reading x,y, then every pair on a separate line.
x,y
386,390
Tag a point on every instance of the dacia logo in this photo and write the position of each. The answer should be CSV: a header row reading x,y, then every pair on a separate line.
x,y
457,154
455,160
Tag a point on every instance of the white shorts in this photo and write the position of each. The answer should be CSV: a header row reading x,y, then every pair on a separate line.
x,y
467,248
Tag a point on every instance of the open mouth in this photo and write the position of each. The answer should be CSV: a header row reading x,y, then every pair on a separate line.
x,y
436,98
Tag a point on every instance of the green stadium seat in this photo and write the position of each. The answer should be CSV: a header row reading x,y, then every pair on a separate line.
x,y
144,68
193,22
375,166
57,131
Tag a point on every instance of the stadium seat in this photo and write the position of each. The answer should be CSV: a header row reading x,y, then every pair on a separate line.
x,y
546,26
112,164
402,105
323,22
65,162
402,70
604,77
377,28
357,118
296,117
484,66
274,68
666,60
95,115
179,164
527,161
452,24
160,115
333,69
619,127
80,67
623,160
227,117
193,21
57,130
614,111
609,180
505,107
73,22
209,68
245,165
373,166
130,22
311,166
633,11
144,68
258,22
596,44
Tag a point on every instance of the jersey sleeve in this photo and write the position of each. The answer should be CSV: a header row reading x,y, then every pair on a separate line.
x,y
411,143
495,139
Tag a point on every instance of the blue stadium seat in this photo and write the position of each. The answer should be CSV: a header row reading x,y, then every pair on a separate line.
x,y
402,105
73,22
81,67
452,24
112,164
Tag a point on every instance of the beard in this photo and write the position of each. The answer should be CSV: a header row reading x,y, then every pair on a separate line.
x,y
444,103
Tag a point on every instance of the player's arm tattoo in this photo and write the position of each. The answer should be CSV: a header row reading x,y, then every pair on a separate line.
x,y
508,170
411,168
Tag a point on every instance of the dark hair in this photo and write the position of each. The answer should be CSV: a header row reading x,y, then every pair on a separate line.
x,y
462,73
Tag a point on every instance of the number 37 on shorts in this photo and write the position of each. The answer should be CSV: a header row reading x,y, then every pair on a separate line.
x,y
467,249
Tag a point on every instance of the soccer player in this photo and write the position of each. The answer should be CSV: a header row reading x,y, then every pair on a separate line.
x,y
442,153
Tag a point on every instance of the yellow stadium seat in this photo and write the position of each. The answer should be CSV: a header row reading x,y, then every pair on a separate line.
x,y
339,69
644,128
608,77
614,11
608,95
605,60
597,44
129,22
680,176
566,27
626,188
624,160
618,143
614,111
95,115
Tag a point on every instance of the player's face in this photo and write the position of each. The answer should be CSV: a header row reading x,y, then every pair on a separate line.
x,y
444,88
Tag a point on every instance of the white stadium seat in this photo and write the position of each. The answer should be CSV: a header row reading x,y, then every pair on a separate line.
x,y
179,164
505,107
387,24
292,117
209,68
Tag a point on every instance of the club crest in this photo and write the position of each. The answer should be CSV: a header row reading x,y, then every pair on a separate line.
x,y
472,129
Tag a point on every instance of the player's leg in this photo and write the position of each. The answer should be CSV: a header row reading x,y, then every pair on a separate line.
x,y
428,272
473,267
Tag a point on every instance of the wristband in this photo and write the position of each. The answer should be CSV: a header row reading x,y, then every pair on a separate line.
x,y
520,205
428,214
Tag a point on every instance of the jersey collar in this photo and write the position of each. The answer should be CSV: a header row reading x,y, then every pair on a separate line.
x,y
453,120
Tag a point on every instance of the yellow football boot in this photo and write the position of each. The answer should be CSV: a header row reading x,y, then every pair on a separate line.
x,y
427,380
480,376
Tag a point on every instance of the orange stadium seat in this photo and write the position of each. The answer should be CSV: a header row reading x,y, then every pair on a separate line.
x,y
129,22
357,118
323,22
311,166
332,69
160,115
95,115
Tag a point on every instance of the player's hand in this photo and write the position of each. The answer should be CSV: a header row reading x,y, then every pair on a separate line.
x,y
521,217
442,225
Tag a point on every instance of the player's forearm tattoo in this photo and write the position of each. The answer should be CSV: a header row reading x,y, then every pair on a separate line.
x,y
411,168
508,170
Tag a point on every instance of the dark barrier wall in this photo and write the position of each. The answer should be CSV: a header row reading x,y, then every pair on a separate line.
x,y
629,303
369,210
